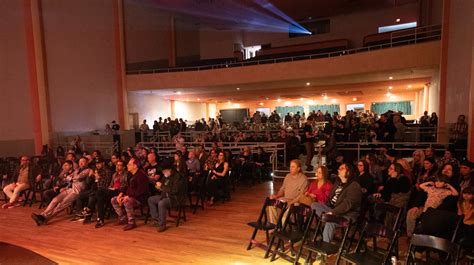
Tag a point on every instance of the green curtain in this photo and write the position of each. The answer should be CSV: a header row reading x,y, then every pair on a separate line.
x,y
283,110
323,108
382,107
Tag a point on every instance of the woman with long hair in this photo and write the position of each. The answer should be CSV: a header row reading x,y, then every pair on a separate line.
x,y
417,163
320,188
217,176
466,209
180,164
365,179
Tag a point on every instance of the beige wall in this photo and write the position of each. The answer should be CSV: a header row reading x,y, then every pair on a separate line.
x,y
459,62
16,130
148,106
218,43
80,55
146,32
187,40
190,111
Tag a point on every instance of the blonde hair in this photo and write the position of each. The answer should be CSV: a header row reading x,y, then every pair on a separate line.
x,y
421,153
404,163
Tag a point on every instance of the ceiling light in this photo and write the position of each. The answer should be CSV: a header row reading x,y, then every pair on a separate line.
x,y
228,102
301,99
354,99
409,86
287,103
261,103
279,100
325,97
238,88
333,100
199,99
179,92
308,83
388,94
390,77
397,20
390,87
266,98
187,100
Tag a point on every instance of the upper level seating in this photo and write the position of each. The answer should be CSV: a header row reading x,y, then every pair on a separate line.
x,y
303,49
418,34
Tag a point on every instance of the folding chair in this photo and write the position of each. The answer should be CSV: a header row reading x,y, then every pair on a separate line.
x,y
292,231
263,223
374,230
446,247
317,245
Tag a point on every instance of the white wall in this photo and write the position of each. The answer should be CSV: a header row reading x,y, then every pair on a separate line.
x,y
433,96
190,111
148,106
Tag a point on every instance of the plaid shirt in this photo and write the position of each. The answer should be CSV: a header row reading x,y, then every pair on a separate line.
x,y
104,180
460,130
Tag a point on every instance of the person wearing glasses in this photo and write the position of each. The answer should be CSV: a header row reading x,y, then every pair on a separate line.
x,y
24,177
344,200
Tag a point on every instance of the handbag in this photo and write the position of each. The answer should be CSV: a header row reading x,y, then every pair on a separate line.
x,y
306,200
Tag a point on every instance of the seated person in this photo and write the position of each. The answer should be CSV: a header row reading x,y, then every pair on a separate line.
x,y
194,171
436,191
172,187
294,185
118,183
217,178
24,177
344,200
320,188
55,185
100,181
135,193
466,209
153,170
66,196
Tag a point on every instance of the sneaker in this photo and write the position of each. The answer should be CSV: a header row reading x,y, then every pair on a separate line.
x,y
87,220
129,226
162,228
99,224
39,219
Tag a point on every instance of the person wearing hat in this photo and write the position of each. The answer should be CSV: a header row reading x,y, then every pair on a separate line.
x,y
467,174
172,194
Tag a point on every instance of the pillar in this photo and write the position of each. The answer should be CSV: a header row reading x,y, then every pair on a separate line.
x,y
172,42
119,52
443,70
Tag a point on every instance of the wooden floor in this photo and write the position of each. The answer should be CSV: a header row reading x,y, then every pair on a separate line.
x,y
218,235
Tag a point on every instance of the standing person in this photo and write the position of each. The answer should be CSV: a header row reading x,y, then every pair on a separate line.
x,y
308,140
135,194
24,177
116,136
459,132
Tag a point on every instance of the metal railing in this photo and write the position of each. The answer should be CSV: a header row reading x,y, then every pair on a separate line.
x,y
397,38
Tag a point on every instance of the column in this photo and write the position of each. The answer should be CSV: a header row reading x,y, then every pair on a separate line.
x,y
37,73
172,42
172,112
119,47
443,70
207,111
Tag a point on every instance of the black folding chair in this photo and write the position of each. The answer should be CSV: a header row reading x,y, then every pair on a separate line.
x,y
447,250
317,245
373,229
263,223
292,231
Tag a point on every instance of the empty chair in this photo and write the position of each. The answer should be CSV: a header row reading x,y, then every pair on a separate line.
x,y
264,224
293,229
446,248
375,230
320,247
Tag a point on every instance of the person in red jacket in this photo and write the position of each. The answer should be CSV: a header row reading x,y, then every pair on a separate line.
x,y
133,195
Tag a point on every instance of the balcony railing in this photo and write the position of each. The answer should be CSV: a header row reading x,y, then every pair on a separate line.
x,y
396,38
